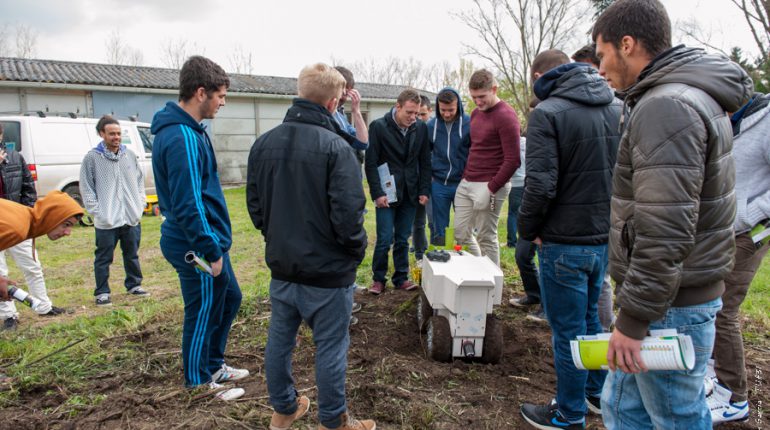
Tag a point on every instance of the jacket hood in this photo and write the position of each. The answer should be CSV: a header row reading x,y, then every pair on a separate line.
x,y
50,211
578,82
726,82
173,114
751,113
102,150
433,122
20,222
305,111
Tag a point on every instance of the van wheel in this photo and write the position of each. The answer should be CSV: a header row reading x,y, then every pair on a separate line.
x,y
74,192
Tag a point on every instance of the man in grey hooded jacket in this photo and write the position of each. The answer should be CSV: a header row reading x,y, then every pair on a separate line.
x,y
673,205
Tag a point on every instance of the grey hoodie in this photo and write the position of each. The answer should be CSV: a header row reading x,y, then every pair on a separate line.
x,y
751,151
673,200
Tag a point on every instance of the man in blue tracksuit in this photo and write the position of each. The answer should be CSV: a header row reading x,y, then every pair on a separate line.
x,y
449,133
197,220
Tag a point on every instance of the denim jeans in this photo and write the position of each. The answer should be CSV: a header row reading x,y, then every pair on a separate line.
x,y
571,280
525,261
670,399
419,240
393,227
442,197
321,309
514,202
106,240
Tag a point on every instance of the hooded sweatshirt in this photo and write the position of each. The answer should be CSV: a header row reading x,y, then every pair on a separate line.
x,y
451,143
112,186
751,150
20,222
187,183
673,200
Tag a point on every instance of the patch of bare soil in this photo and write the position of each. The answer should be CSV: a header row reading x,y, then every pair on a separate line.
x,y
390,379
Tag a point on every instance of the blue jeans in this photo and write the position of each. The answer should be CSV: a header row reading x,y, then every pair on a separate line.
x,y
393,227
571,280
670,399
442,197
106,240
419,241
525,261
514,202
321,309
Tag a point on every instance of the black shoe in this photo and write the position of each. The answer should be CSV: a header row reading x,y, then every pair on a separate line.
x,y
138,291
594,404
538,316
525,301
10,324
103,300
54,312
547,417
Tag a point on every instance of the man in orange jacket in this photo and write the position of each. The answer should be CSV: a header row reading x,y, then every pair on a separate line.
x,y
53,215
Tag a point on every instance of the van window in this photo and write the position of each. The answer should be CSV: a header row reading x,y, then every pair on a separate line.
x,y
12,135
147,139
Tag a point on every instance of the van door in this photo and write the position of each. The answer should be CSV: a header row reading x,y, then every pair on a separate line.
x,y
59,148
142,139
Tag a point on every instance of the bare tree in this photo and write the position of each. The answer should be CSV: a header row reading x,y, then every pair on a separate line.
x,y
118,52
513,32
26,41
174,52
757,15
240,61
693,30
391,70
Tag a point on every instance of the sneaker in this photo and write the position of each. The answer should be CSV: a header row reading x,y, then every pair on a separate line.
x,y
103,300
538,316
139,291
10,324
356,307
284,422
407,286
227,374
54,312
226,394
722,409
522,302
353,320
350,423
547,417
377,288
594,404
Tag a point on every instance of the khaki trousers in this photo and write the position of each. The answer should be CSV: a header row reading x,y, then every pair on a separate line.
x,y
475,221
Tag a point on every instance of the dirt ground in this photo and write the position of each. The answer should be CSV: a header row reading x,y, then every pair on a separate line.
x,y
389,380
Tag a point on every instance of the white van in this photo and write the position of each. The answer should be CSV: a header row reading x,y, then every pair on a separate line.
x,y
54,148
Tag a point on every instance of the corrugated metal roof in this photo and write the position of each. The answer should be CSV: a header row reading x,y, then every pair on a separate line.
x,y
67,72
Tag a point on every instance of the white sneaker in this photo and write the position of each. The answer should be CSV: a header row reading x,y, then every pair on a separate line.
x,y
711,377
227,374
722,409
227,395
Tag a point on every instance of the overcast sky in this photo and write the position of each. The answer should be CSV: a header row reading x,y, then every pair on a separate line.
x,y
285,35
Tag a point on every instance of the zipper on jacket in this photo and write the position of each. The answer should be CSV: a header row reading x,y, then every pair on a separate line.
x,y
448,146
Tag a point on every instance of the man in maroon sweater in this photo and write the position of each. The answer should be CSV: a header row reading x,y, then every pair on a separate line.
x,y
493,159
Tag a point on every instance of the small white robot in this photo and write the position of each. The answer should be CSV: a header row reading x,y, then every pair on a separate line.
x,y
455,306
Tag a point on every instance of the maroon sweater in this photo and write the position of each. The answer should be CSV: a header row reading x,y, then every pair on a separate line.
x,y
494,155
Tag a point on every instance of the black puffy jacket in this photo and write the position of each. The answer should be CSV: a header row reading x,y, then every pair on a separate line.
x,y
18,185
572,142
304,193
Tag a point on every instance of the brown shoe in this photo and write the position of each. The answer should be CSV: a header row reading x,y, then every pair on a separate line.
x,y
377,288
350,423
284,422
407,286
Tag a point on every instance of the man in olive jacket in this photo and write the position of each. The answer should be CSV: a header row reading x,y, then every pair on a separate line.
x,y
673,205
401,141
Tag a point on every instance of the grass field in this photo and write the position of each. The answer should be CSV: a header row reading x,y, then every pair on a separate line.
x,y
100,340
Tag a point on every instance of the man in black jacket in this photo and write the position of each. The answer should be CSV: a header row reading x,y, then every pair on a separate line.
x,y
17,185
572,139
399,141
304,194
